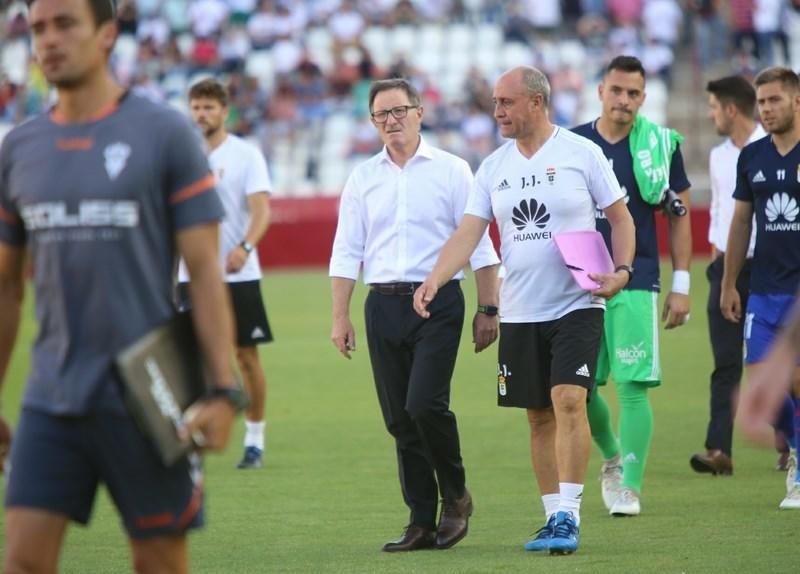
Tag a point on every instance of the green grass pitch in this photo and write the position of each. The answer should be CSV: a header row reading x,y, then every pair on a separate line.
x,y
328,497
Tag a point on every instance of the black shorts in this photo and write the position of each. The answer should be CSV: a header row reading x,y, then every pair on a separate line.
x,y
58,462
535,357
252,325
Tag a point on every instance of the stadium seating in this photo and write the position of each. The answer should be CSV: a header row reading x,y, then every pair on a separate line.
x,y
442,54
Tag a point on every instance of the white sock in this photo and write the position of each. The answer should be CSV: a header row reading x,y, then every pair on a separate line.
x,y
550,502
570,499
254,435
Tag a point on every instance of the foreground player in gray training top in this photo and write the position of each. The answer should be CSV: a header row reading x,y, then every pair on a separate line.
x,y
101,191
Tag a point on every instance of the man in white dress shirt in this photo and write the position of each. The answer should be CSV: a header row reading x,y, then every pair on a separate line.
x,y
545,181
244,186
397,210
731,105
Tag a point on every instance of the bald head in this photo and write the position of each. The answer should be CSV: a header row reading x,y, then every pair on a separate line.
x,y
531,81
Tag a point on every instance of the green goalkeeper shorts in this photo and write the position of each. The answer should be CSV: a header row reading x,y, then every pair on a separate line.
x,y
629,346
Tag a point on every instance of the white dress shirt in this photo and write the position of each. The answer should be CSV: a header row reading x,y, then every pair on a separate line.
x,y
722,168
396,220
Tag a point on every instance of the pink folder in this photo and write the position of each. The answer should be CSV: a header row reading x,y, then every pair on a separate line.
x,y
584,252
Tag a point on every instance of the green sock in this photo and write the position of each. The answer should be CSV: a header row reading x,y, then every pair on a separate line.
x,y
635,432
600,423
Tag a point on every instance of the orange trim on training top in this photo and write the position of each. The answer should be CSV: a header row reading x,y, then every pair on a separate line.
x,y
104,112
9,217
191,190
75,144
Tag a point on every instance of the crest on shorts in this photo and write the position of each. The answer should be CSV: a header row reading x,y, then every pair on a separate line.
x,y
502,375
116,158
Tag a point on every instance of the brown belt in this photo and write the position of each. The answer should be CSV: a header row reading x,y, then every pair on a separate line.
x,y
394,288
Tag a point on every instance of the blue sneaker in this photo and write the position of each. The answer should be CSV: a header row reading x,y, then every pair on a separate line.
x,y
253,458
541,540
565,535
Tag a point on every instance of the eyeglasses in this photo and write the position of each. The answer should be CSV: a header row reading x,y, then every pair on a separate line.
x,y
398,113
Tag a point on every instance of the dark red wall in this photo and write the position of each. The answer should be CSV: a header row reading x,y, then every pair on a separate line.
x,y
302,230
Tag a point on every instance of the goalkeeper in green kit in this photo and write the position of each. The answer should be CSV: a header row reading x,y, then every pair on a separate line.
x,y
647,161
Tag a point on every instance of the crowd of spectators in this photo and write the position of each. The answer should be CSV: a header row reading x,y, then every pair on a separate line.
x,y
299,70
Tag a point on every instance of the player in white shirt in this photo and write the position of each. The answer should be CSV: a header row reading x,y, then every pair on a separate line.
x,y
244,186
731,105
397,210
547,180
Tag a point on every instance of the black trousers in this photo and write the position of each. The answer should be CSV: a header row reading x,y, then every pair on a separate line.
x,y
412,363
726,344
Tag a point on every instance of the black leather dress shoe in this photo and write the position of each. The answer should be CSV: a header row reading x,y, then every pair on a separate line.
x,y
454,521
414,538
712,461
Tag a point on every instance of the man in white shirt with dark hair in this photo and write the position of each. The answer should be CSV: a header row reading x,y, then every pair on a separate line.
x,y
397,210
244,186
545,181
731,104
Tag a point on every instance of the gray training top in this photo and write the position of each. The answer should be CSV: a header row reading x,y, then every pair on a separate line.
x,y
98,205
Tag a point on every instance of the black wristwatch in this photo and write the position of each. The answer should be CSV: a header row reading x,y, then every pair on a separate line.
x,y
248,247
235,395
627,268
490,310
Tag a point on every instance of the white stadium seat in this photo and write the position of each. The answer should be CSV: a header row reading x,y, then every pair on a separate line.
x,y
460,37
488,37
403,40
259,65
319,43
514,54
431,38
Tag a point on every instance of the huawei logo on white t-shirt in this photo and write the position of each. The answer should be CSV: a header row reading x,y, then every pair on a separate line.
x,y
530,211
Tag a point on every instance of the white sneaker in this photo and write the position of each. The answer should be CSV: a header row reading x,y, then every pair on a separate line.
x,y
791,470
792,500
627,503
611,480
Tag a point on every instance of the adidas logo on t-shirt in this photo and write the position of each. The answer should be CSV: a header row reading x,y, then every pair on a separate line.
x,y
503,185
759,177
583,371
257,333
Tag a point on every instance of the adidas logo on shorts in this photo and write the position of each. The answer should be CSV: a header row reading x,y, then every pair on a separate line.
x,y
257,333
583,371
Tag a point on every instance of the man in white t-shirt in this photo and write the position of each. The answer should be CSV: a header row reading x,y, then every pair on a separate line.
x,y
731,105
544,182
244,186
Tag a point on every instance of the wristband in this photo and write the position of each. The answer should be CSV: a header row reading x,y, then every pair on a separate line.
x,y
680,281
248,247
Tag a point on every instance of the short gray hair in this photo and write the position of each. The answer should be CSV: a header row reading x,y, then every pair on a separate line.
x,y
393,84
536,83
